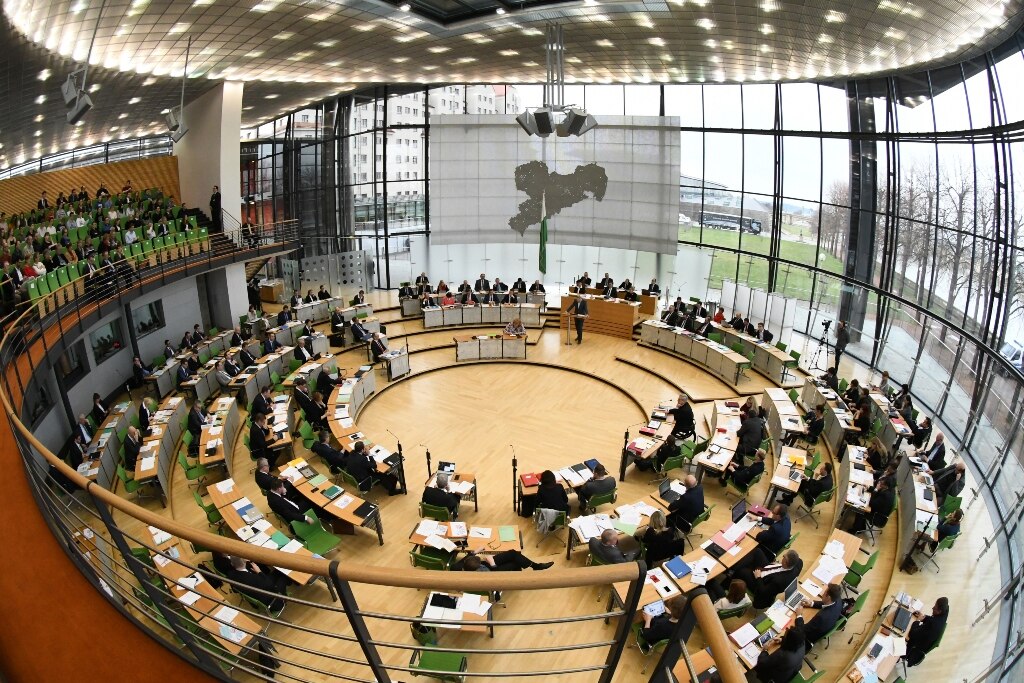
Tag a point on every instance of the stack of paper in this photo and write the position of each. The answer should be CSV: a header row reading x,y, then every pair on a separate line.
x,y
225,614
571,477
460,487
427,527
148,463
628,515
435,541
744,634
835,549
159,535
458,529
473,603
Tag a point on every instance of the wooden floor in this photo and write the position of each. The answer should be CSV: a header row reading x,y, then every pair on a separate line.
x,y
474,414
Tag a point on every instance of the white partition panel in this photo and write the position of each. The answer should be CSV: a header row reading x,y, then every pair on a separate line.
x,y
758,311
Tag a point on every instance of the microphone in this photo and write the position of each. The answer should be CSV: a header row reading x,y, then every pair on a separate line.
x,y
513,453
393,434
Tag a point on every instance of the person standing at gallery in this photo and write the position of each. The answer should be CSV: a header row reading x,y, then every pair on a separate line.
x,y
842,339
581,310
215,209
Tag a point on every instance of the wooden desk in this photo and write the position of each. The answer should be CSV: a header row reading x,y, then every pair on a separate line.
x,y
791,459
612,317
457,615
702,662
481,314
648,303
486,347
457,478
718,359
768,360
342,506
658,585
717,456
493,544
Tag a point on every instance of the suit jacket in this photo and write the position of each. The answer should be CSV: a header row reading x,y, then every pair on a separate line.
x,y
688,506
610,292
307,331
223,378
258,441
468,298
362,467
324,383
779,666
195,423
85,431
579,307
131,453
231,368
140,373
500,287
271,345
552,498
99,414
487,298
595,487
936,456
332,456
324,295
610,554
482,285
358,331
822,622
535,288
750,433
406,292
262,405
288,510
812,488
283,317
144,415
764,335
744,475
924,636
305,401
683,416
435,496
946,482
766,588
302,355
246,358
378,348
296,300
236,339
308,299
337,321
881,506
775,536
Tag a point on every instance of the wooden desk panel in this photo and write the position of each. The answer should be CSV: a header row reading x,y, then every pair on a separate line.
x,y
610,317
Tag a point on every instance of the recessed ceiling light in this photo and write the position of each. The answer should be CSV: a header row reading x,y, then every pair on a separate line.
x,y
712,43
284,35
114,129
247,108
336,62
44,74
834,17
465,60
272,96
318,16
149,81
660,42
769,5
705,23
40,99
604,42
180,27
767,29
122,116
39,118
532,32
825,38
602,17
327,43
264,7
399,60
509,53
438,49
405,7
254,54
500,10
765,47
79,6
94,87
895,34
38,133
202,3
135,100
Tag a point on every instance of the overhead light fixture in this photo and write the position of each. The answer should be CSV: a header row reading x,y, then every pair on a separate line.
x,y
175,118
556,116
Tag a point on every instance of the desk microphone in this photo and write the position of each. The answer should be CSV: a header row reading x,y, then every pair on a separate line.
x,y
513,454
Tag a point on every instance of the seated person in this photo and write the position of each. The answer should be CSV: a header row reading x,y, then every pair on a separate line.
x,y
360,333
810,489
935,456
815,425
250,580
261,439
687,507
661,627
448,299
880,505
536,287
263,403
766,581
440,496
659,539
515,328
605,548
378,346
363,468
735,597
223,378
184,375
267,482
550,494
782,664
668,449
601,483
949,526
853,394
468,298
505,561
284,316
334,458
771,540
271,344
926,632
949,481
831,380
830,609
742,475
286,508
682,415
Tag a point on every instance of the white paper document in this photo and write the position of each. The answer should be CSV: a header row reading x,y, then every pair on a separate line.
x,y
426,527
744,635
480,532
225,486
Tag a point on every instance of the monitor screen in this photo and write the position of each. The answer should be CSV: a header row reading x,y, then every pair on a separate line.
x,y
739,510
791,588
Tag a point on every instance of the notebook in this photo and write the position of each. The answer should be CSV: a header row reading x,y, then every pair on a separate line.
x,y
529,479
332,492
507,533
364,510
677,567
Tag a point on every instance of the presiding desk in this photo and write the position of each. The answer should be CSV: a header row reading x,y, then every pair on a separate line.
x,y
648,303
612,317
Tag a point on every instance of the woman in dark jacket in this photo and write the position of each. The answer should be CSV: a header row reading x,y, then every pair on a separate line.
x,y
659,540
551,494
783,664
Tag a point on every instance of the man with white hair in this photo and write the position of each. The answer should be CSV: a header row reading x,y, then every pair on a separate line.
x,y
440,496
606,548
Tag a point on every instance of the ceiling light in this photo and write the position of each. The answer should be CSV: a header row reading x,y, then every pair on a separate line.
x,y
767,29
765,47
284,35
149,81
705,23
122,116
604,42
264,7
659,42
405,7
202,3
327,43
39,118
399,60
712,43
532,32
44,74
895,34
114,129
38,133
602,17
40,99
508,53
78,7
135,100
438,49
318,16
825,38
834,17
254,54
769,5
272,96
180,27
500,10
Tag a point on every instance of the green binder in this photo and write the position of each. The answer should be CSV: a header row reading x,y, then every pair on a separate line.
x,y
318,479
280,539
507,533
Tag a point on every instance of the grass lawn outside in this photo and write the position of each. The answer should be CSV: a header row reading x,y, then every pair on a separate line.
x,y
754,271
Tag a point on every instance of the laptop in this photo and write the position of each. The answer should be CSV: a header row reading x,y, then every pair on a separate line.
x,y
318,356
793,596
665,491
446,467
739,511
902,619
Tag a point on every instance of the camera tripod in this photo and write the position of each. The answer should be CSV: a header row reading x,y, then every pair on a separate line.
x,y
822,346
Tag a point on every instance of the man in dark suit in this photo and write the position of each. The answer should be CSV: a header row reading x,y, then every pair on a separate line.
x,y
742,475
358,299
579,309
314,413
255,583
439,496
750,433
307,329
231,366
364,469
536,287
949,481
767,580
284,317
184,374
261,437
145,413
187,342
771,540
880,504
196,419
246,359
606,548
271,344
926,632
936,455
323,294
682,414
487,297
267,482
762,334
609,291
337,321
422,281
132,444
215,209
468,298
360,333
325,383
377,346
168,350
810,489
296,299
604,282
140,371
830,609
499,286
687,507
239,336
332,456
287,509
406,292
263,402
654,289
99,411
301,354
482,284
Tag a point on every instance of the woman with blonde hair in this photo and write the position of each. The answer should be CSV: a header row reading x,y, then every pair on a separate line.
x,y
659,540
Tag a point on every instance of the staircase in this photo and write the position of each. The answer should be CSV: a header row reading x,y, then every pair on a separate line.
x,y
255,266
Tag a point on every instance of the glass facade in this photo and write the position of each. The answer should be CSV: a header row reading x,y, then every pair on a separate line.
x,y
888,202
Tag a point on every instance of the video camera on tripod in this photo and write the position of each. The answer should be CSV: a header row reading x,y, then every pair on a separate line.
x,y
825,325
